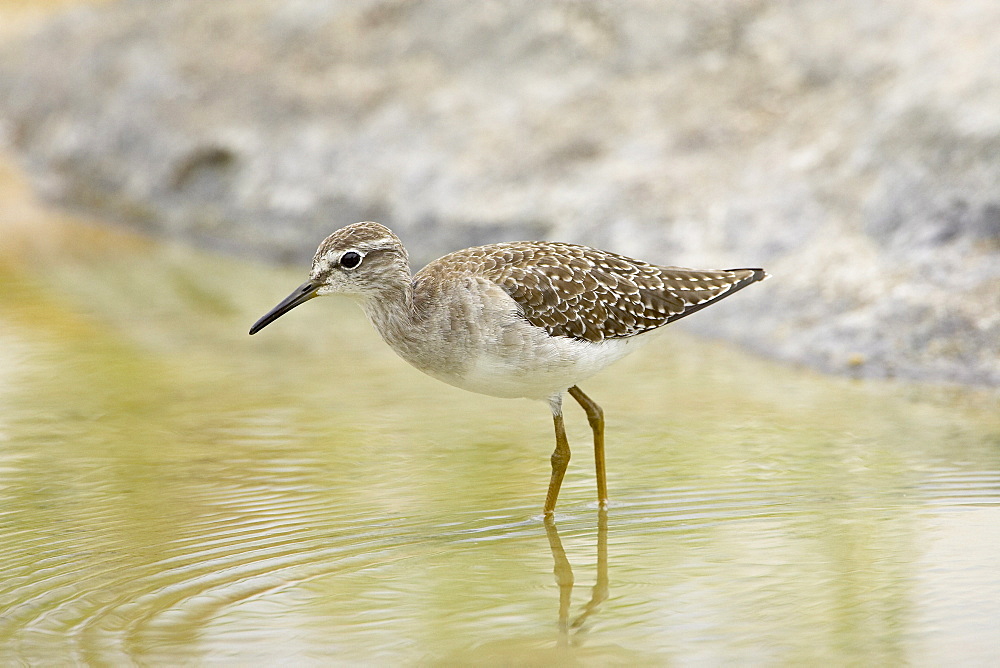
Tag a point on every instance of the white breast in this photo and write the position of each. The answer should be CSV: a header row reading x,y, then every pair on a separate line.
x,y
539,371
477,340
507,356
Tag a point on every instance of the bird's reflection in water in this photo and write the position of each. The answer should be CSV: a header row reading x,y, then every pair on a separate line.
x,y
563,571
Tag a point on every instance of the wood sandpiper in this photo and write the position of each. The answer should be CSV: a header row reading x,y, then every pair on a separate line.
x,y
524,319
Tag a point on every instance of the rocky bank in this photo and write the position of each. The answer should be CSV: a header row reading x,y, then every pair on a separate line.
x,y
852,148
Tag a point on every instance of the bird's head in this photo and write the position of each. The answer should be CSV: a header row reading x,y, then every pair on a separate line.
x,y
361,261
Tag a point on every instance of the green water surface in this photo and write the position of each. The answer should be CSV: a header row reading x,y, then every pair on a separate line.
x,y
173,491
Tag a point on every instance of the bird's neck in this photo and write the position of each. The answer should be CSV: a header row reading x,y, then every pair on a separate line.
x,y
410,319
392,313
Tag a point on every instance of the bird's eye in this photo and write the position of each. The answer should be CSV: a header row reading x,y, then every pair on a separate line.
x,y
350,260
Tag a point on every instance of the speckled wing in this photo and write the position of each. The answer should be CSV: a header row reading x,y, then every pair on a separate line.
x,y
588,294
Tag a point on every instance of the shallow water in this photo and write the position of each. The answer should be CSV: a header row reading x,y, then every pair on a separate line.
x,y
174,491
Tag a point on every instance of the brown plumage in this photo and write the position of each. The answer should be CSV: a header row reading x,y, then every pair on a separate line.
x,y
590,294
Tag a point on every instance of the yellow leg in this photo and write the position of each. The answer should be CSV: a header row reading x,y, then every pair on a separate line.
x,y
560,457
595,416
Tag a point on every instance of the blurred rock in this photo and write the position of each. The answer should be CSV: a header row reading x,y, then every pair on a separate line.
x,y
852,148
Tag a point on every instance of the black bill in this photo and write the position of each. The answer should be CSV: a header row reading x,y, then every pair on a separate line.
x,y
299,296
